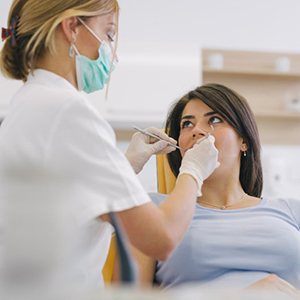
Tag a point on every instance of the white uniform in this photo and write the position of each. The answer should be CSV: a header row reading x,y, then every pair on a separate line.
x,y
58,159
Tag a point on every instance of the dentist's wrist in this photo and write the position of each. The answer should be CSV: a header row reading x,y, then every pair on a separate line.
x,y
197,180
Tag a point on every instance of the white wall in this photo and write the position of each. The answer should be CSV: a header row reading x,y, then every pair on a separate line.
x,y
281,165
168,35
160,42
251,24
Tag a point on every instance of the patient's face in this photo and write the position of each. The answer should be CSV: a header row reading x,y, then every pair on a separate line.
x,y
197,119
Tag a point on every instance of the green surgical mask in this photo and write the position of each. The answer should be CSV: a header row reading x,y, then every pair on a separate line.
x,y
92,75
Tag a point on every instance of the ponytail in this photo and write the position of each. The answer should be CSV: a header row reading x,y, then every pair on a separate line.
x,y
12,58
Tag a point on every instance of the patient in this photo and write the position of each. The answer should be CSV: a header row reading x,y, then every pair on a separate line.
x,y
237,238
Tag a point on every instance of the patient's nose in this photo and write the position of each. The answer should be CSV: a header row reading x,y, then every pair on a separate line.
x,y
198,132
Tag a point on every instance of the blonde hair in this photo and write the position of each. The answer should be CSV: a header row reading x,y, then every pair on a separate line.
x,y
36,24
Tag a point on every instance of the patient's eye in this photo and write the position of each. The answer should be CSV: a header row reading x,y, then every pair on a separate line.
x,y
214,120
186,124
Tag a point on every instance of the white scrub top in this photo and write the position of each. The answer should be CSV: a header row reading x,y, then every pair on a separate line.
x,y
59,170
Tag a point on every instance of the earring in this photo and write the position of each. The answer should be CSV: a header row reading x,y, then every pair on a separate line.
x,y
72,47
245,153
71,50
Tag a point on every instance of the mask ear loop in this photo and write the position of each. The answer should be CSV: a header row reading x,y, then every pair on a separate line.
x,y
98,39
90,30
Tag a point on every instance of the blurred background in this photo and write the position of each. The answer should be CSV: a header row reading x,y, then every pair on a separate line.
x,y
167,47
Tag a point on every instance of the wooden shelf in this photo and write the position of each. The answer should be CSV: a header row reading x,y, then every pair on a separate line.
x,y
254,76
244,72
289,115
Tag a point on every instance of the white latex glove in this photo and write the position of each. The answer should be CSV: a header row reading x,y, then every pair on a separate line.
x,y
200,161
142,147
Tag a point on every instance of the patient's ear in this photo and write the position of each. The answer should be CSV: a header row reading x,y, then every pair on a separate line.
x,y
244,146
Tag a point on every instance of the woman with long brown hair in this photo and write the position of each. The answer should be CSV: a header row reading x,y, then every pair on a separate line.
x,y
237,238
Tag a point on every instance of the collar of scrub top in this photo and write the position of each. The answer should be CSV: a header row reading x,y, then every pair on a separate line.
x,y
128,268
50,79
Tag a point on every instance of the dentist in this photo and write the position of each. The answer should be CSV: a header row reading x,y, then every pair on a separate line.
x,y
58,156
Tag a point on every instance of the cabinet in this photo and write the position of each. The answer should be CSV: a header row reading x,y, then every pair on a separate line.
x,y
269,81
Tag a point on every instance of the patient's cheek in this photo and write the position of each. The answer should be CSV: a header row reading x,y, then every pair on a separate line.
x,y
184,143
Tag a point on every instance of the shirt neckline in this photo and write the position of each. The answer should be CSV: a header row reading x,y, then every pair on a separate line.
x,y
262,202
46,77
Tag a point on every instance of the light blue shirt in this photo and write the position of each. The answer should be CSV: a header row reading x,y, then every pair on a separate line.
x,y
235,248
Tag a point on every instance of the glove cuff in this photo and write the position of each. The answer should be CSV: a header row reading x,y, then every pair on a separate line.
x,y
197,179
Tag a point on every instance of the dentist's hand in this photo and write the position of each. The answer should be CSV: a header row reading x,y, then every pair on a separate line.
x,y
142,147
200,161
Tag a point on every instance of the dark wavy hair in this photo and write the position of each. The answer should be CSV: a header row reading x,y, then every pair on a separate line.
x,y
236,111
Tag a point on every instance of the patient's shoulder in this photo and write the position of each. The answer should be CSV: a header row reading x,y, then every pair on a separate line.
x,y
294,205
289,205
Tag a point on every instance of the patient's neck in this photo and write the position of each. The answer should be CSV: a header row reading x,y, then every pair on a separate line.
x,y
227,191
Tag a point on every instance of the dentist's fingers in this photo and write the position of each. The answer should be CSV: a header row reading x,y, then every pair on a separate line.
x,y
161,135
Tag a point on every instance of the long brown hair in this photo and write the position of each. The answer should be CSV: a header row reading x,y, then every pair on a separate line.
x,y
236,111
35,22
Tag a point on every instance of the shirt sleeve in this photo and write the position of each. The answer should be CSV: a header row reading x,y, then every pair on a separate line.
x,y
95,173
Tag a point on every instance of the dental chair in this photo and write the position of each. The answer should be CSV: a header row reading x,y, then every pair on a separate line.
x,y
107,271
119,250
165,178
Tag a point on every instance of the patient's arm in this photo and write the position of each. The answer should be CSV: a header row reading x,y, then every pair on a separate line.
x,y
275,283
146,266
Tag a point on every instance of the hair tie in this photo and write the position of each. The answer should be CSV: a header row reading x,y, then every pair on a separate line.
x,y
10,32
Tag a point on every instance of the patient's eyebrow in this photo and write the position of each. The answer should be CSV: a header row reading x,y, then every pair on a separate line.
x,y
188,117
209,113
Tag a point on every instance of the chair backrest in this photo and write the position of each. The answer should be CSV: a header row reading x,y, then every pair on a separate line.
x,y
107,271
128,268
165,178
119,249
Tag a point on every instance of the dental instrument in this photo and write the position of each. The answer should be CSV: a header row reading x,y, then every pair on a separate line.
x,y
155,136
